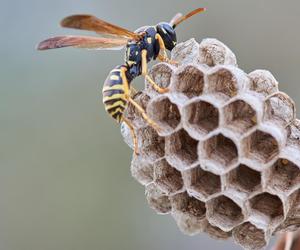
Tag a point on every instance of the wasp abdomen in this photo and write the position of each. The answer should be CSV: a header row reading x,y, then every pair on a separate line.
x,y
114,98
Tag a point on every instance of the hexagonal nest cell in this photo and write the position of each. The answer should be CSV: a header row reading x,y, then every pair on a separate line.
x,y
132,114
268,205
239,116
189,205
181,149
244,179
221,150
167,178
284,176
202,117
261,146
216,233
161,74
280,107
157,199
224,212
249,236
151,145
142,171
202,183
190,81
164,113
222,83
220,163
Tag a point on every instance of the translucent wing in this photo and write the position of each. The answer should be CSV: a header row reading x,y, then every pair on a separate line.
x,y
180,18
92,23
86,42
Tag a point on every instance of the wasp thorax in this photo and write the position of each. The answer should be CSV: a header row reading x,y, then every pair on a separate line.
x,y
226,158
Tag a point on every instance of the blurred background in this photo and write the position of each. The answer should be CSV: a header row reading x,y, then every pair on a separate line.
x,y
65,181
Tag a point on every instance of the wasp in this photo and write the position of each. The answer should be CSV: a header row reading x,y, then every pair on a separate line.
x,y
145,44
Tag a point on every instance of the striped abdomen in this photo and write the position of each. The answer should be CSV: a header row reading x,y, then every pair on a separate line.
x,y
114,94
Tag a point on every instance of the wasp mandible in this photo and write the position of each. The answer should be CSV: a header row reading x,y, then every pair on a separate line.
x,y
145,44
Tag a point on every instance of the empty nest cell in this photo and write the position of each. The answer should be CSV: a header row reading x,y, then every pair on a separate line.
x,y
284,175
224,212
261,146
161,74
268,205
223,83
181,149
188,205
167,178
249,236
164,113
201,182
244,179
201,117
152,145
157,200
221,150
190,81
239,116
142,171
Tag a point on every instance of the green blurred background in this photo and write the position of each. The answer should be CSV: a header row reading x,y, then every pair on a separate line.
x,y
65,182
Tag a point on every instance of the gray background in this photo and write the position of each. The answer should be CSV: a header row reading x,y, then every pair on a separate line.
x,y
64,175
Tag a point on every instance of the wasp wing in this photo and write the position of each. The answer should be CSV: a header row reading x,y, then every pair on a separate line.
x,y
92,23
180,18
86,42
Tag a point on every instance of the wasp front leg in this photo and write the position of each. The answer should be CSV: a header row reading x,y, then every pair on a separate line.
x,y
147,77
163,56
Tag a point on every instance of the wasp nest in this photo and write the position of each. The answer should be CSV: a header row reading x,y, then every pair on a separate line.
x,y
226,161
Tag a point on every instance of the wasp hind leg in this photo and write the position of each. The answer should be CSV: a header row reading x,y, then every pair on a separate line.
x,y
133,135
143,113
147,77
135,104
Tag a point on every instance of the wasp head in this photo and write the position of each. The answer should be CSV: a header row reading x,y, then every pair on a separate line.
x,y
168,34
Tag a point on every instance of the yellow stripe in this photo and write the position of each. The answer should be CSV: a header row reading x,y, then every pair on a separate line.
x,y
114,105
115,96
116,111
117,86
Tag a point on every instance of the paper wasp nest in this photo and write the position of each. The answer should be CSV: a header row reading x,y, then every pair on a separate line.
x,y
227,159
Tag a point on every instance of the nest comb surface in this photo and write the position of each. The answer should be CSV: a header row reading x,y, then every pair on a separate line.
x,y
226,161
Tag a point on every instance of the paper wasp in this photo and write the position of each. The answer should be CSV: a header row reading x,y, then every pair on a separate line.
x,y
145,44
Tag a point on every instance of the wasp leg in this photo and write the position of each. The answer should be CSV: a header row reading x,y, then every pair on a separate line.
x,y
133,135
147,77
145,116
164,56
135,104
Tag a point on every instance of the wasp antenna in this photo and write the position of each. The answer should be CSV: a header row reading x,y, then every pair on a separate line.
x,y
175,22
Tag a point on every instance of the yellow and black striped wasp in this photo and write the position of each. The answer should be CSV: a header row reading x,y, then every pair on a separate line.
x,y
145,44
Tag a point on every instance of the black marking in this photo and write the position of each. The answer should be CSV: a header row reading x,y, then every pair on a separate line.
x,y
112,101
111,110
117,115
111,92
